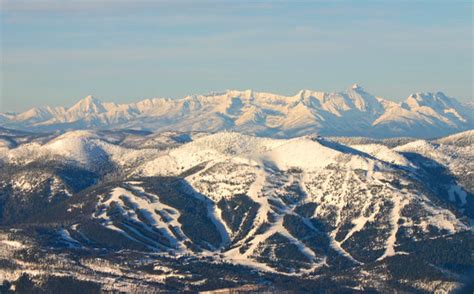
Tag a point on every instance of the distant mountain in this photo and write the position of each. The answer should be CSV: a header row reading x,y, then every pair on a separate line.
x,y
353,112
135,210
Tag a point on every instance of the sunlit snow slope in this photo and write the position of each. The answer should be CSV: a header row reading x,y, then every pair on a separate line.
x,y
353,112
289,206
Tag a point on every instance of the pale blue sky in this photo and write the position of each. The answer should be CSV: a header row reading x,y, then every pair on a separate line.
x,y
55,52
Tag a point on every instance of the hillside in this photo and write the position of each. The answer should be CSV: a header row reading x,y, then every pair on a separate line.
x,y
308,210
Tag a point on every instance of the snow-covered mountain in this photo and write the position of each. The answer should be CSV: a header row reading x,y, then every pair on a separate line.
x,y
164,209
353,112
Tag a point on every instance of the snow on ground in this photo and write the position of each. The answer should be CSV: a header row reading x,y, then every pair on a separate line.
x,y
262,181
238,164
284,154
12,244
456,192
87,148
383,153
394,221
461,139
158,215
66,236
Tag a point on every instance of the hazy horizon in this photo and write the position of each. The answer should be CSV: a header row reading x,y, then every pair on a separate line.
x,y
55,52
280,158
129,101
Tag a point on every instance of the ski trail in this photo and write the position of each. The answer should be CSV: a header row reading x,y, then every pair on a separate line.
x,y
146,205
276,227
342,197
255,194
128,236
213,212
395,217
362,220
158,215
261,217
218,215
218,222
333,243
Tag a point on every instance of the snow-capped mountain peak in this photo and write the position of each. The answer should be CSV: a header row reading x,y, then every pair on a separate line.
x,y
89,104
353,112
356,86
434,100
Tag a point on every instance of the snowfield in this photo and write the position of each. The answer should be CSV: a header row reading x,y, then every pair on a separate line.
x,y
294,207
353,112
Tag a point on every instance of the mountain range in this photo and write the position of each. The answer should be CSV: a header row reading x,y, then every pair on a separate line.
x,y
133,210
353,112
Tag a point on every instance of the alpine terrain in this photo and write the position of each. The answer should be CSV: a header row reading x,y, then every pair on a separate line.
x,y
91,202
353,112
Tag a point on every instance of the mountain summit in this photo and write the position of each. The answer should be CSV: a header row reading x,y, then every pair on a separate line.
x,y
353,112
89,104
127,208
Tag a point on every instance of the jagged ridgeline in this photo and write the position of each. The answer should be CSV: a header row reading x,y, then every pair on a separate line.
x,y
353,112
135,210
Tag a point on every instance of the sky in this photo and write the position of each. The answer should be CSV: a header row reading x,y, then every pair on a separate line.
x,y
55,52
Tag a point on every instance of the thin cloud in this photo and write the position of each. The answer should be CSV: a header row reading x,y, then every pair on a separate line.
x,y
88,5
